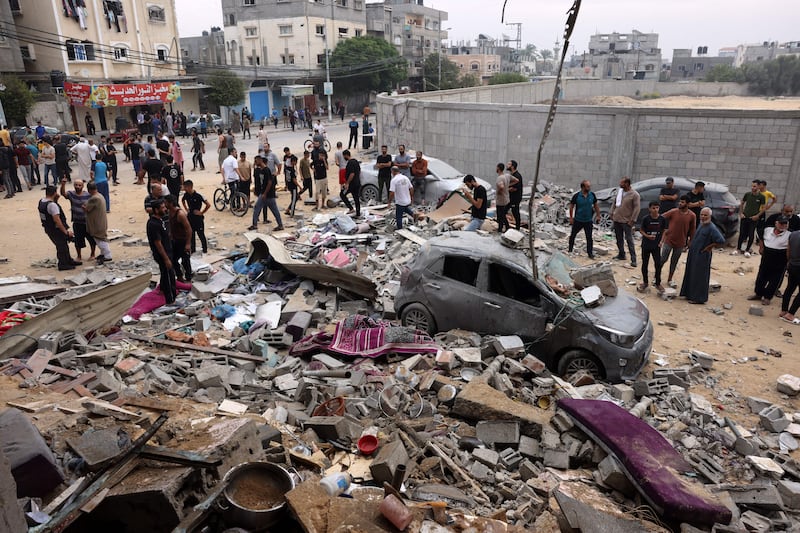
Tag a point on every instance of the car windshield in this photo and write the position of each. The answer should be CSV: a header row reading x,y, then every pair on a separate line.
x,y
442,170
556,266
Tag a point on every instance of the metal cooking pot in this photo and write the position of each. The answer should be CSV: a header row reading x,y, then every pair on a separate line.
x,y
255,495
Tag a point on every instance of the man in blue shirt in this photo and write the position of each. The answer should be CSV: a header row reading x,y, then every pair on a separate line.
x,y
353,141
40,131
581,207
100,178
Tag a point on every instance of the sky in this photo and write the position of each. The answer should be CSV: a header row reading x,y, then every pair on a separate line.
x,y
679,23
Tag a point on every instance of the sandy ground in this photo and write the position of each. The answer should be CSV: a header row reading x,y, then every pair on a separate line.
x,y
691,102
733,337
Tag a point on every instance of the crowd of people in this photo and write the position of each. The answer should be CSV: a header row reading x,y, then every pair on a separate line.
x,y
681,222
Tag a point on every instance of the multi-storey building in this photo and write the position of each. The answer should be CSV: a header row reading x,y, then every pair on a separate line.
x,y
483,60
413,28
107,57
686,66
205,50
634,55
766,51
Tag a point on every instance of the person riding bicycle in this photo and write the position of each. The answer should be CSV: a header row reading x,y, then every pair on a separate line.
x,y
230,171
319,132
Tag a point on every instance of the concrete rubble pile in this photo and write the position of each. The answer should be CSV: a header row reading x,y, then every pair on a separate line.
x,y
135,426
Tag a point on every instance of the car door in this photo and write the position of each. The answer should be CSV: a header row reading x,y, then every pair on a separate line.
x,y
450,288
511,304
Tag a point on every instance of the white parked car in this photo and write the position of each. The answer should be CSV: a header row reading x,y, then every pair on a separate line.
x,y
212,121
441,181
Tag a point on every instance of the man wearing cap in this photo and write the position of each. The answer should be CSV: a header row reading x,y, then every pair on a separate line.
x,y
773,261
668,197
161,246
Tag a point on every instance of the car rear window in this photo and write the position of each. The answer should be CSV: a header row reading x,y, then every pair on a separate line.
x,y
459,268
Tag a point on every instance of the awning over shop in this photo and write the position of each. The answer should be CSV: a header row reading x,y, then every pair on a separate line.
x,y
297,90
119,95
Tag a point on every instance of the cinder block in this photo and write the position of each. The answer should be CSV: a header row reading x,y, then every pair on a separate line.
x,y
556,459
385,464
562,421
790,493
788,384
529,447
128,366
773,419
527,470
509,345
610,473
328,427
298,325
510,458
622,392
498,431
652,387
486,456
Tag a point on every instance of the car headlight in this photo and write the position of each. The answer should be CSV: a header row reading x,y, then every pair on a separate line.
x,y
617,337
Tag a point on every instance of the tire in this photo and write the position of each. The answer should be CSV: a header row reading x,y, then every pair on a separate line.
x,y
604,221
369,192
574,360
418,317
327,145
219,199
239,204
308,146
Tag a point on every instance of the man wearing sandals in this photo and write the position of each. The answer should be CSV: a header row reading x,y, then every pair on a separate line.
x,y
773,261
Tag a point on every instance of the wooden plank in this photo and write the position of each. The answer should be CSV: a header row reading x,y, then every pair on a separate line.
x,y
23,291
83,391
195,348
31,407
39,361
83,379
411,236
146,403
103,408
63,371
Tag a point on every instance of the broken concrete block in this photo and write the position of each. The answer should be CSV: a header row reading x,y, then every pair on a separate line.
x,y
105,381
752,521
97,447
211,375
669,294
527,470
486,456
159,375
772,419
480,471
479,401
562,421
509,345
297,326
202,324
623,392
610,473
766,466
529,447
789,384
706,361
652,387
129,366
757,405
497,432
328,427
534,364
756,310
790,493
556,459
385,464
510,458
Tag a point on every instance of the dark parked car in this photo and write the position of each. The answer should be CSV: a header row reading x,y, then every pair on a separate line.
x,y
465,280
723,204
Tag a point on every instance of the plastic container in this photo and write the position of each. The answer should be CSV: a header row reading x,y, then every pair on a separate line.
x,y
336,484
367,444
396,512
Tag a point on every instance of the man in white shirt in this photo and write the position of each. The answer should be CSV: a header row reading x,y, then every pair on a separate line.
x,y
84,153
773,261
230,171
400,192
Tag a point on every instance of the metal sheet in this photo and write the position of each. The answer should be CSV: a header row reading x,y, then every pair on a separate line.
x,y
262,246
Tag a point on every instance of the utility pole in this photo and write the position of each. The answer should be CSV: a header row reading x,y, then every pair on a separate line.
x,y
439,55
328,65
518,40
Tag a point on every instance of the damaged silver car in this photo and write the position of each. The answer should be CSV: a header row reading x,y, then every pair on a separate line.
x,y
473,282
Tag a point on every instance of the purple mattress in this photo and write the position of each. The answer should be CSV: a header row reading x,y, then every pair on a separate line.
x,y
651,463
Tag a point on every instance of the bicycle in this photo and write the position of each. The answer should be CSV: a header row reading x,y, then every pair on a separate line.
x,y
309,144
236,201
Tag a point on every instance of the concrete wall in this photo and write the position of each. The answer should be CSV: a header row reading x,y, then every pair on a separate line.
x,y
603,143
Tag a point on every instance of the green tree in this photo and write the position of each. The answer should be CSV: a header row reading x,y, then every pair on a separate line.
x,y
507,77
774,78
450,74
724,73
226,89
546,53
469,80
530,49
17,99
366,63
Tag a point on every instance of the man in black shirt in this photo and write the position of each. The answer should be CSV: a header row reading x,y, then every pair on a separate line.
x,y
135,151
515,193
152,167
172,175
696,200
110,159
62,159
352,184
162,145
196,207
652,229
268,199
384,166
668,197
476,195
161,247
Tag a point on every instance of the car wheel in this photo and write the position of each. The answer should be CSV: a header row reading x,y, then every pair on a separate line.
x,y
418,317
369,193
576,360
604,221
